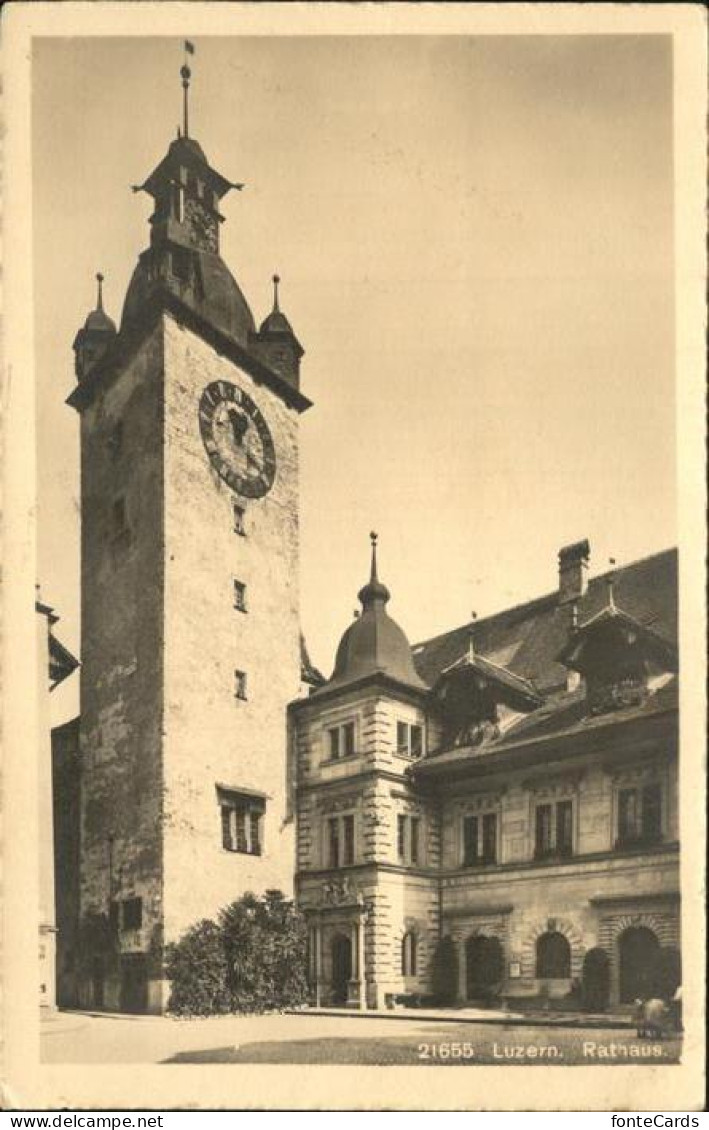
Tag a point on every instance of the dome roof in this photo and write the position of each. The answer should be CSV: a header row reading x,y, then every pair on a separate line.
x,y
374,643
219,300
276,322
99,320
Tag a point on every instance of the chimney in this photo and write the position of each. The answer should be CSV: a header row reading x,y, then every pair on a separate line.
x,y
573,571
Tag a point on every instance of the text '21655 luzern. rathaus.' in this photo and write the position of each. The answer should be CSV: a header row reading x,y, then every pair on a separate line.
x,y
507,789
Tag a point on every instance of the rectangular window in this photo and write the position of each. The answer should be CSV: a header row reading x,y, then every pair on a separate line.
x,y
480,839
239,520
628,822
348,828
240,684
409,739
340,841
341,741
401,837
132,914
554,830
470,841
640,815
240,596
241,822
334,841
489,845
414,839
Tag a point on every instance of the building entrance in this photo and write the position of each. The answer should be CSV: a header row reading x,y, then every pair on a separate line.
x,y
484,965
638,953
341,968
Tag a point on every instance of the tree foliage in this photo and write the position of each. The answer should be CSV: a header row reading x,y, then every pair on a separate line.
x,y
253,959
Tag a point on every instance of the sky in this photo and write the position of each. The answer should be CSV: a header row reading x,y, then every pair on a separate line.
x,y
475,240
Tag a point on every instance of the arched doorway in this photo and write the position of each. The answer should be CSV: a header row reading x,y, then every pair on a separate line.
x,y
484,965
553,956
638,953
341,967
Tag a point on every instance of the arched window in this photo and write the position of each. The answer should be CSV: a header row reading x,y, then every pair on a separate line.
x,y
553,955
409,945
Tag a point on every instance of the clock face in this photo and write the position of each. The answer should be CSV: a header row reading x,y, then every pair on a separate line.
x,y
237,439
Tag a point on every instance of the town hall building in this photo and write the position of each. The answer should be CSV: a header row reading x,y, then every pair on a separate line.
x,y
505,793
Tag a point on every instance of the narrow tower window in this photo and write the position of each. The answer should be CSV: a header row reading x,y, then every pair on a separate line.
x,y
240,684
240,596
239,517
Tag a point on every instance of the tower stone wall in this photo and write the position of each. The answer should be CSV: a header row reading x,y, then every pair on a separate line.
x,y
211,737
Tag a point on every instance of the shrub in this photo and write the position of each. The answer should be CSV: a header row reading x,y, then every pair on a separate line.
x,y
197,968
252,960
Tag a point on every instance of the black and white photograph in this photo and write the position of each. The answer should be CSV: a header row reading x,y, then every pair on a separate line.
x,y
365,467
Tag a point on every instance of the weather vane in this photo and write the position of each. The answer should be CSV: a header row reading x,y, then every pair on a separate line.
x,y
186,74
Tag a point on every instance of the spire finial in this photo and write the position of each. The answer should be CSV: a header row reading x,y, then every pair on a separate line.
x,y
186,74
374,591
471,636
610,581
99,297
373,575
276,281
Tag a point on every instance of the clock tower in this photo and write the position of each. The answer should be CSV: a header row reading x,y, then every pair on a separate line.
x,y
190,616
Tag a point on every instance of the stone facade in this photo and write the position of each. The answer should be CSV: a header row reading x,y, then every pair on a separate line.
x,y
210,736
523,857
372,786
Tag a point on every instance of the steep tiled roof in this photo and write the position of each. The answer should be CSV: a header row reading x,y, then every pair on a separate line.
x,y
527,639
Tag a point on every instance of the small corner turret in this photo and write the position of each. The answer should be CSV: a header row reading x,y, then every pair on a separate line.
x,y
275,343
95,336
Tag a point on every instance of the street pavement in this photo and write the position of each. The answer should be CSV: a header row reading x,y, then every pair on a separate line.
x,y
340,1039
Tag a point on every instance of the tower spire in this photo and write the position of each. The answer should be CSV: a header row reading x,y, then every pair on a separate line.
x,y
99,296
471,637
374,590
186,74
276,281
610,581
373,578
